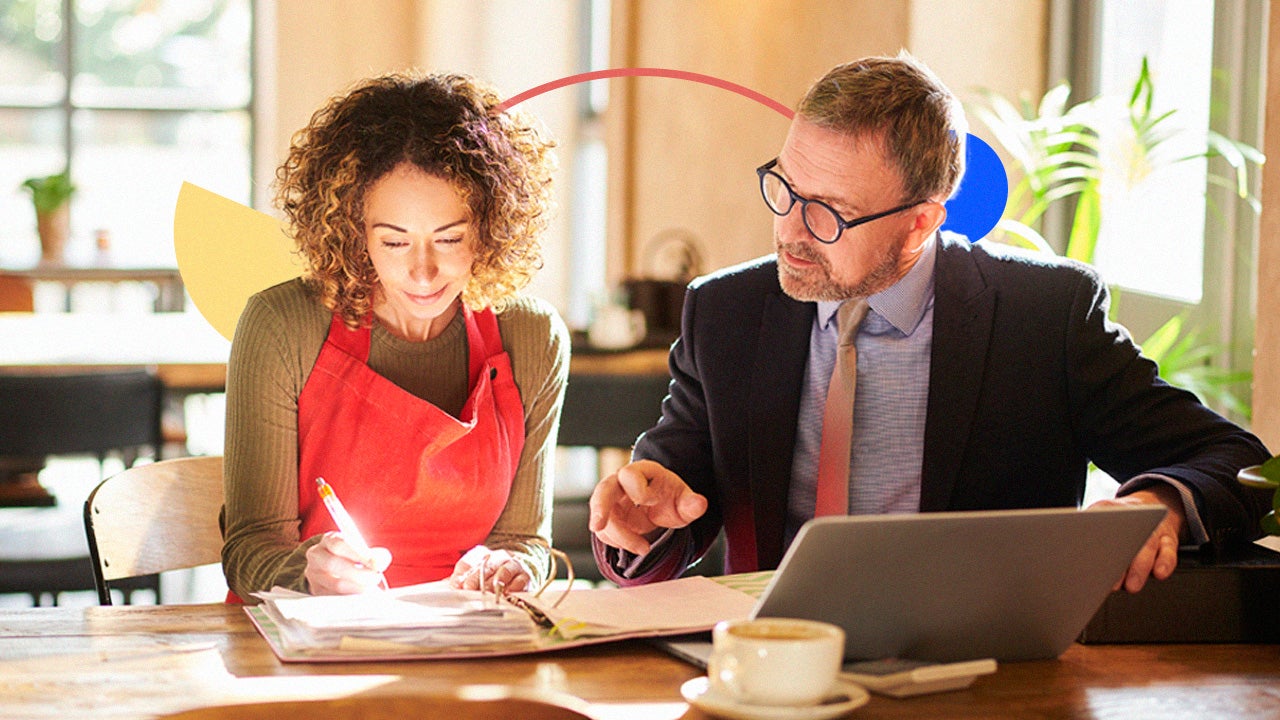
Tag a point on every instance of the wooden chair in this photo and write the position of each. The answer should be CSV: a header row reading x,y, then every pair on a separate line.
x,y
600,411
153,518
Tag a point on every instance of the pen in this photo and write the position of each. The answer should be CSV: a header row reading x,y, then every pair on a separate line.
x,y
347,526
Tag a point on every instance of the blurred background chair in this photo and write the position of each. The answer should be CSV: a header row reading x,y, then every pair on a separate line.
x,y
106,413
154,518
606,411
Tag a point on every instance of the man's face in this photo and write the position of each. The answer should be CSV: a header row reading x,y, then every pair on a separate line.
x,y
852,175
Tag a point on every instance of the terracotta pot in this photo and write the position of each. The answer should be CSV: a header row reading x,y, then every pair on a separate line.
x,y
54,227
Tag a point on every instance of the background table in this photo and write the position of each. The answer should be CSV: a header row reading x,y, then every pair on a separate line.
x,y
187,352
139,662
17,283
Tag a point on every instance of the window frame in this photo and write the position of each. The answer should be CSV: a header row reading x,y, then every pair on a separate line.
x,y
1225,314
68,108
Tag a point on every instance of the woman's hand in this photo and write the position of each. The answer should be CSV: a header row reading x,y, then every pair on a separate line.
x,y
500,571
335,568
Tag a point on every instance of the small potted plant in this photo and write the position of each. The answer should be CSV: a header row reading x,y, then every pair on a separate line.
x,y
1266,477
51,195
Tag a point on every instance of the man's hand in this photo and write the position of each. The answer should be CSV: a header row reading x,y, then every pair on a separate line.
x,y
638,499
1159,556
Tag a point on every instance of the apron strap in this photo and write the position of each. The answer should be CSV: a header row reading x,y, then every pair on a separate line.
x,y
352,342
482,335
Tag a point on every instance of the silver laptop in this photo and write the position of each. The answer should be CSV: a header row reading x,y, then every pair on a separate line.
x,y
952,586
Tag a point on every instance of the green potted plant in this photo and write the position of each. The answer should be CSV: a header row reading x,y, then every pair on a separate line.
x,y
51,196
1057,149
1266,477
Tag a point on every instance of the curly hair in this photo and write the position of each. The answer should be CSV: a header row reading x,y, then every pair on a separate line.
x,y
445,125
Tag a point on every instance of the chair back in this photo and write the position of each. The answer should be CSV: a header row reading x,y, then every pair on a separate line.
x,y
91,412
601,410
42,413
609,411
604,410
153,518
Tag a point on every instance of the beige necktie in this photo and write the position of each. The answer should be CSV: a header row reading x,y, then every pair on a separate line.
x,y
837,416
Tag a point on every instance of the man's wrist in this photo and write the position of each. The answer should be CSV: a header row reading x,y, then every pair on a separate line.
x,y
1176,496
658,537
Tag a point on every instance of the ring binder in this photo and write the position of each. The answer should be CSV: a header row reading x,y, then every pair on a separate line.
x,y
434,620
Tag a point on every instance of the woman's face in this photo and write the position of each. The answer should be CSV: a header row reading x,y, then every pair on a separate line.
x,y
419,236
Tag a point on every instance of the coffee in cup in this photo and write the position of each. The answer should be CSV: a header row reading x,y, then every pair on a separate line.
x,y
775,661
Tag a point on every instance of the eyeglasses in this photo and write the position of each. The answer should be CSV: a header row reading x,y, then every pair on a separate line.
x,y
822,221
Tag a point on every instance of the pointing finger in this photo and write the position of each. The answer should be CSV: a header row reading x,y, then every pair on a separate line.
x,y
604,500
635,482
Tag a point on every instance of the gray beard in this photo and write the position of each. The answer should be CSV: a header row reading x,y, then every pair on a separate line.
x,y
817,284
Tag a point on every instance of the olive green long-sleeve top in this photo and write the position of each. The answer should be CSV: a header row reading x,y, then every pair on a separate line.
x,y
277,341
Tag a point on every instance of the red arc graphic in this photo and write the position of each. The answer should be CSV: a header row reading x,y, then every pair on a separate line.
x,y
648,72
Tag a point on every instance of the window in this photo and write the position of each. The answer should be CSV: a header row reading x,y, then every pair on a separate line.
x,y
134,96
1187,246
590,170
1153,215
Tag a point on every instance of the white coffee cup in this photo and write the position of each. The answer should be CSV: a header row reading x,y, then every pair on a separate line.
x,y
775,661
615,327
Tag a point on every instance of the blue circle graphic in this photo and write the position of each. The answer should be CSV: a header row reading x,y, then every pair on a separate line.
x,y
984,189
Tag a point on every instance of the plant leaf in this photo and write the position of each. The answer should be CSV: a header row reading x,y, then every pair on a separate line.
x,y
1054,102
1270,525
1084,228
1027,236
1271,469
1157,345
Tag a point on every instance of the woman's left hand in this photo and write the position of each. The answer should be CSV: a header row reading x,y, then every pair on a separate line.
x,y
501,572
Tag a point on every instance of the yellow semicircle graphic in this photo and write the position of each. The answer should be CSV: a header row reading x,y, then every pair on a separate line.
x,y
226,252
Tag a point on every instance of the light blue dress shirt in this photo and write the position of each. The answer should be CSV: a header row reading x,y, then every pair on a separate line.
x,y
894,343
890,403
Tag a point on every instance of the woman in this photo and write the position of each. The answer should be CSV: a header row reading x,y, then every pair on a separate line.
x,y
403,367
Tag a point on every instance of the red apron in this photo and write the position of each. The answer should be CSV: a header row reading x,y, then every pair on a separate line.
x,y
416,480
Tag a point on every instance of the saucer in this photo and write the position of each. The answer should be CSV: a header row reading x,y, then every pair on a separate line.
x,y
845,698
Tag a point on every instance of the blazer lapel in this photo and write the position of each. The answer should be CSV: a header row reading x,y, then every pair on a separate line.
x,y
776,380
963,313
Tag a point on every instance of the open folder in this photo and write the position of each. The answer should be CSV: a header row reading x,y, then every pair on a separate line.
x,y
434,620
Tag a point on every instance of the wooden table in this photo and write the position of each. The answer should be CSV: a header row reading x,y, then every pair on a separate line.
x,y
140,662
17,283
185,351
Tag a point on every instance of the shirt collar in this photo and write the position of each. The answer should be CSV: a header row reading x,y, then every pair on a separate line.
x,y
904,303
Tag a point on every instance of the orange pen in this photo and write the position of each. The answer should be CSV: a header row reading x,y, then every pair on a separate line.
x,y
347,526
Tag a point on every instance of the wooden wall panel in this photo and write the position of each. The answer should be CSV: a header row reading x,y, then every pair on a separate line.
x,y
685,154
1266,368
691,149
321,47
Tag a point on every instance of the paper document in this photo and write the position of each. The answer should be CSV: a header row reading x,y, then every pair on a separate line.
x,y
1270,542
435,620
426,616
677,606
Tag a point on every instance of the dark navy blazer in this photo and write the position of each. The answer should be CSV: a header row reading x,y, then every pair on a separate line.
x,y
1028,383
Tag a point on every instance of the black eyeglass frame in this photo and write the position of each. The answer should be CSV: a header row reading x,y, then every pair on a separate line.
x,y
841,223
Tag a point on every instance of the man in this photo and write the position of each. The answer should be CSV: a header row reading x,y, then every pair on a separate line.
x,y
985,378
